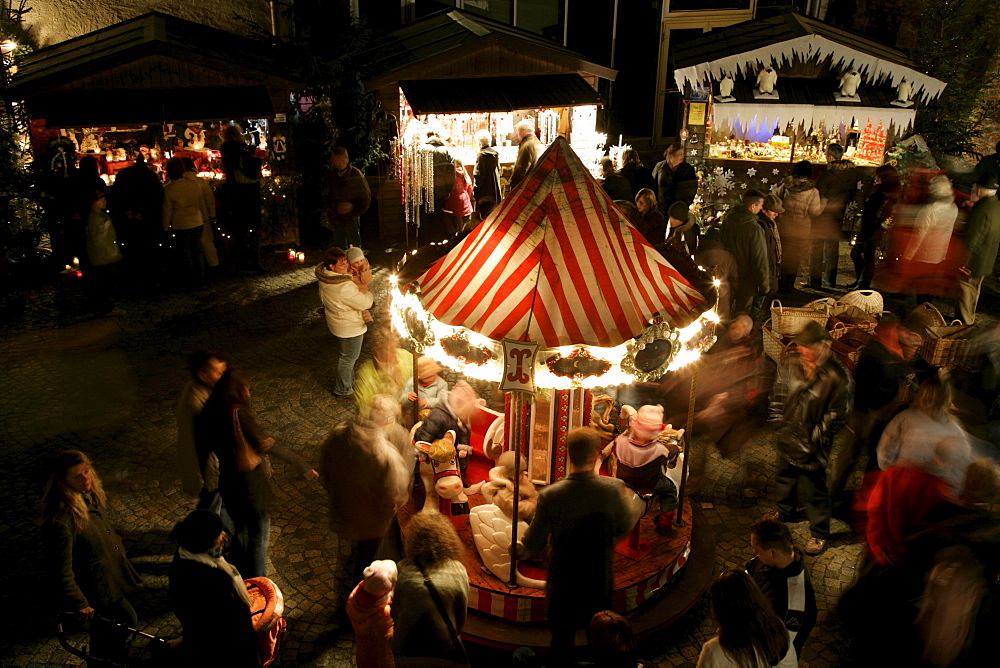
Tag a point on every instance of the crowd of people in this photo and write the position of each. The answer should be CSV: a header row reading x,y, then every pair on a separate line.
x,y
924,439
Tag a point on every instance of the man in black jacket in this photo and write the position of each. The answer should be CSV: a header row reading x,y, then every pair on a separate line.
x,y
812,395
585,516
209,598
744,237
780,571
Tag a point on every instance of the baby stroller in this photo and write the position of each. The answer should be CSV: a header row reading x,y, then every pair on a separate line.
x,y
266,607
138,648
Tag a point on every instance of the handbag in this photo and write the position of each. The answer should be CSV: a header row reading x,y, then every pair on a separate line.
x,y
244,456
456,639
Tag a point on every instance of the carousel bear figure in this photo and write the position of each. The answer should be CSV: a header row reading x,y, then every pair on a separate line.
x,y
500,488
645,452
439,471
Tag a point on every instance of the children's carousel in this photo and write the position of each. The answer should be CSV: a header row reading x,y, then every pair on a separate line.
x,y
553,296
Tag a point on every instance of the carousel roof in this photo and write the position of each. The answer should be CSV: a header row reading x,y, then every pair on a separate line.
x,y
558,264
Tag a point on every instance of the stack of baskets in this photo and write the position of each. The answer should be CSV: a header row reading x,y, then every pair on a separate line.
x,y
785,323
869,301
945,344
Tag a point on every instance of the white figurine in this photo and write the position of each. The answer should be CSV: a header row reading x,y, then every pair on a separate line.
x,y
767,78
195,135
726,86
91,143
849,83
903,91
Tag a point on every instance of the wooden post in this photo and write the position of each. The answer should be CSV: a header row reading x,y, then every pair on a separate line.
x,y
679,515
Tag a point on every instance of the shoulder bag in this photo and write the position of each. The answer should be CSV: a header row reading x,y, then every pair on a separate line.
x,y
456,639
245,457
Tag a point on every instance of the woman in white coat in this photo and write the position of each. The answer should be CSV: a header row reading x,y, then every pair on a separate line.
x,y
346,301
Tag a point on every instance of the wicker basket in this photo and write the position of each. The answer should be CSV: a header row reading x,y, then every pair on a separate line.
x,y
789,321
774,346
929,316
848,347
948,345
867,300
844,317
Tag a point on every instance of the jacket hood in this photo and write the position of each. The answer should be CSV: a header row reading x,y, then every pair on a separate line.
x,y
684,227
799,185
324,275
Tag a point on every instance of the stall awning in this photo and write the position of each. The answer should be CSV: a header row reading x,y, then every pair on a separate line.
x,y
451,96
94,107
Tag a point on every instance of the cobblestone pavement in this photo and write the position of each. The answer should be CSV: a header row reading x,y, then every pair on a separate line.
x,y
107,386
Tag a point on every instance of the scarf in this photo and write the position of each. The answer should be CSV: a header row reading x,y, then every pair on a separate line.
x,y
223,565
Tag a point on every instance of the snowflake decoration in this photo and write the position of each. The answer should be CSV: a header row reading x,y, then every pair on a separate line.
x,y
730,173
718,170
725,207
752,172
764,180
775,171
741,186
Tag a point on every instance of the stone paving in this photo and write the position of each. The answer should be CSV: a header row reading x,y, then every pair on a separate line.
x,y
107,386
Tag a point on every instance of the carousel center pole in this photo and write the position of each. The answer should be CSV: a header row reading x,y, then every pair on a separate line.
x,y
416,382
517,401
688,442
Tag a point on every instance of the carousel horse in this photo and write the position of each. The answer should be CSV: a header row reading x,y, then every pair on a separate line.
x,y
441,476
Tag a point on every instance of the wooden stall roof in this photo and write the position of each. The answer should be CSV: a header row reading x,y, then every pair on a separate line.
x,y
429,96
162,51
756,34
415,50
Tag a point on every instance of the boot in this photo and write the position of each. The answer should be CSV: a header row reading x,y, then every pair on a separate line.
x,y
665,521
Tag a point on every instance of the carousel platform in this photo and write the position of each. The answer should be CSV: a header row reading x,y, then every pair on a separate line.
x,y
652,593
653,589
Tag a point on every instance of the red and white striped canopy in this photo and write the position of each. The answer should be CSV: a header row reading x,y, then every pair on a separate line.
x,y
558,264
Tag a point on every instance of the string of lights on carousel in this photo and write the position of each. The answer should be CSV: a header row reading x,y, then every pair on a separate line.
x,y
658,349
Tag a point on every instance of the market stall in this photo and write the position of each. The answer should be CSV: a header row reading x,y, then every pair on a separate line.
x,y
764,94
460,75
162,86
512,303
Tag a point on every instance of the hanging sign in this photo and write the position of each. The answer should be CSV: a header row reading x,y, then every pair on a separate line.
x,y
518,366
696,113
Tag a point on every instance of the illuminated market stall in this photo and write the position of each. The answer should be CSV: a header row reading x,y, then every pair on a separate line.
x,y
764,94
460,74
532,300
162,86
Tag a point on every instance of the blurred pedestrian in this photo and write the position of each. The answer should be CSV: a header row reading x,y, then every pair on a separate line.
x,y
812,398
928,435
836,186
682,230
102,258
88,570
347,198
438,224
137,196
229,425
982,240
877,213
885,380
367,481
198,467
208,233
927,271
750,634
801,202
769,212
346,301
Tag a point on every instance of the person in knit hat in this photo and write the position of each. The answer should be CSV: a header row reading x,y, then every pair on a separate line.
x,y
369,610
208,596
432,386
643,459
